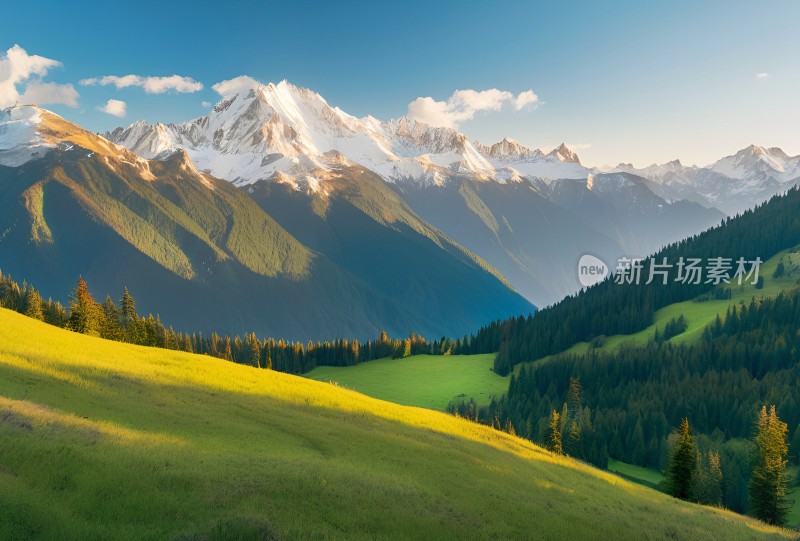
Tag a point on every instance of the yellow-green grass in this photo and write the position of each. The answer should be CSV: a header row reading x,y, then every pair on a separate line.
x,y
428,381
698,314
645,476
653,478
101,440
793,520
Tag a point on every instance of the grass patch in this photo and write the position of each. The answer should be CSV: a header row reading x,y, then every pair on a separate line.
x,y
427,381
646,476
102,440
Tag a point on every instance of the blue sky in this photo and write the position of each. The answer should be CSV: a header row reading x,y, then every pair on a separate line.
x,y
620,81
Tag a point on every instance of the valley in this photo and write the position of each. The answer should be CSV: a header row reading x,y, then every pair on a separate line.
x,y
229,452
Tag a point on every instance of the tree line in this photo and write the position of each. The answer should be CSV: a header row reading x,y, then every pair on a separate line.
x,y
698,477
631,398
608,308
119,321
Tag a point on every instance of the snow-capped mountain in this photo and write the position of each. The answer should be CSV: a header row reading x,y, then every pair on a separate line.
x,y
289,133
208,256
28,132
756,163
731,184
20,140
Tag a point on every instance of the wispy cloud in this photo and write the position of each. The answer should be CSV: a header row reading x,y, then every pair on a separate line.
x,y
115,108
151,85
762,75
50,93
205,105
19,69
237,84
463,105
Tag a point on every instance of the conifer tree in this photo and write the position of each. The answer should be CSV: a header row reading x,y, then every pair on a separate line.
x,y
128,315
573,420
254,348
406,348
554,434
33,304
715,479
110,328
682,463
769,482
84,312
707,479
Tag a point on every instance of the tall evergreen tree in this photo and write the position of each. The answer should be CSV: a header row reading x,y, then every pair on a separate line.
x,y
682,463
554,434
573,420
254,348
128,315
769,482
85,314
33,304
706,486
110,328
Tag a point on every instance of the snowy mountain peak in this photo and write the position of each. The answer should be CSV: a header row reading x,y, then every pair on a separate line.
x,y
511,149
20,140
257,131
761,163
564,154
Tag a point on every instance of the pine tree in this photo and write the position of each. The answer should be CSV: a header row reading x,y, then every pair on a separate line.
x,y
33,304
110,328
406,348
707,479
128,315
554,434
769,482
267,356
227,353
84,313
254,350
682,463
715,479
573,420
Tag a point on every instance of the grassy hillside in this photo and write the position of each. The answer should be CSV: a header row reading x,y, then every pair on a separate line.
x,y
700,314
428,381
652,478
101,440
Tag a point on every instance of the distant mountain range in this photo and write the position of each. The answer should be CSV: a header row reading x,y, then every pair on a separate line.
x,y
530,213
332,225
732,184
206,256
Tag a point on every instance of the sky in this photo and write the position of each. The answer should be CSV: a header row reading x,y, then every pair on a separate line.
x,y
635,82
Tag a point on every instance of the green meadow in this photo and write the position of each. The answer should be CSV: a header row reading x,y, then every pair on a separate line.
x,y
103,440
699,314
428,381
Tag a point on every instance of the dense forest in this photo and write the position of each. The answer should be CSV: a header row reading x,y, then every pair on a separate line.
x,y
120,321
610,308
631,400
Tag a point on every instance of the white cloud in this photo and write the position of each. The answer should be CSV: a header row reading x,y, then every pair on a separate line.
x,y
114,107
464,104
205,105
237,84
50,93
151,85
18,68
527,99
762,75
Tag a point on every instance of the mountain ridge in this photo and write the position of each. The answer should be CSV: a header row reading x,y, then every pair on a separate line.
x,y
207,257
